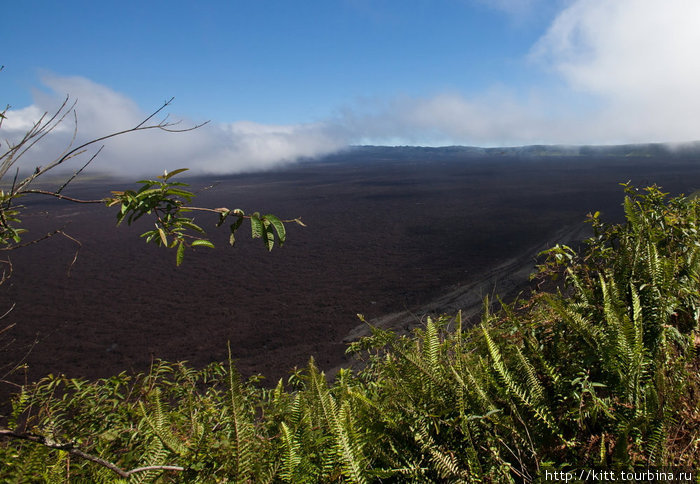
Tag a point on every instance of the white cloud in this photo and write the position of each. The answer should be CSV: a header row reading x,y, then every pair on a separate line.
x,y
639,57
213,148
622,71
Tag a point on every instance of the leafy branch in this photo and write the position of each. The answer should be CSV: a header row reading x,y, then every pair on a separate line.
x,y
10,232
166,201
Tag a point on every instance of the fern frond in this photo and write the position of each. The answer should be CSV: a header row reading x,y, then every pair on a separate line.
x,y
341,423
161,426
431,344
443,461
291,457
536,389
154,454
575,321
242,428
509,381
351,446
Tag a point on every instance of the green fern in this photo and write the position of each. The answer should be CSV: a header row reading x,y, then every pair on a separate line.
x,y
517,389
241,427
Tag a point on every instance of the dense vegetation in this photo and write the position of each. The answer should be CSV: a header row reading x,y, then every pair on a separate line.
x,y
600,369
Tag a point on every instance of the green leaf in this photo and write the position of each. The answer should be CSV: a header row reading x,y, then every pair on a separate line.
x,y
279,227
162,236
268,238
202,242
256,226
167,175
180,193
180,253
175,172
222,217
190,225
234,227
145,191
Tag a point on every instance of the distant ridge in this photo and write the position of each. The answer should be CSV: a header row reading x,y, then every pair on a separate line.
x,y
649,150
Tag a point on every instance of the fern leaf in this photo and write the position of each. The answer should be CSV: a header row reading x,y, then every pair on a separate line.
x,y
348,445
431,343
444,462
523,395
291,457
242,426
161,427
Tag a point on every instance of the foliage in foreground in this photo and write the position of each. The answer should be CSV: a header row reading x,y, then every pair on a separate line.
x,y
602,371
163,200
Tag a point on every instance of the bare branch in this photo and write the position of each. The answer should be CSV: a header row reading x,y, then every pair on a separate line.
x,y
40,129
165,103
75,257
6,274
154,468
35,241
44,126
71,448
18,364
12,190
183,130
5,315
80,170
62,197
139,127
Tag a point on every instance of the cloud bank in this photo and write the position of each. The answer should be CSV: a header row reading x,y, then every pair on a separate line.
x,y
214,148
614,72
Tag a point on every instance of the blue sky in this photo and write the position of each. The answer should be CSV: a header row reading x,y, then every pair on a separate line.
x,y
282,79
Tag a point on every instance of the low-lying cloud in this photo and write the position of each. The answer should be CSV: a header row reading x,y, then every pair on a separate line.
x,y
613,72
212,148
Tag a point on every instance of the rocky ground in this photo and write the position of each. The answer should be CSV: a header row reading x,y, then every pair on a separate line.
x,y
392,240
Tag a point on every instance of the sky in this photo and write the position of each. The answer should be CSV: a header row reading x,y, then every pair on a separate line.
x,y
280,80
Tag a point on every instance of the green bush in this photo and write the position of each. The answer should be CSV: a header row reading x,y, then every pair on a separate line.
x,y
601,371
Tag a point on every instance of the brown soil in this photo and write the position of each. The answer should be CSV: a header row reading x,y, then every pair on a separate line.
x,y
381,237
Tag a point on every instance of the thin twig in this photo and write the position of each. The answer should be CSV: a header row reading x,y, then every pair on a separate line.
x,y
18,363
6,274
62,197
5,315
79,171
50,234
75,257
42,127
12,190
9,326
165,103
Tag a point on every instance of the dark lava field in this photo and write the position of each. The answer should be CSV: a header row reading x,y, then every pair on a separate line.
x,y
386,231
